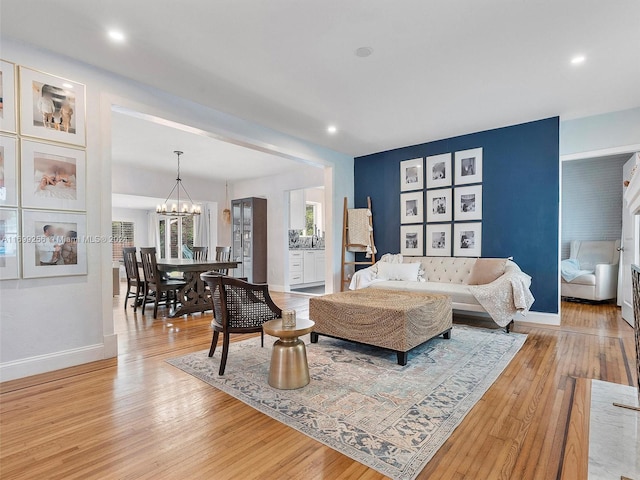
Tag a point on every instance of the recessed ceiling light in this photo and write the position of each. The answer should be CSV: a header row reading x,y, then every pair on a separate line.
x,y
67,85
332,129
364,52
578,59
116,36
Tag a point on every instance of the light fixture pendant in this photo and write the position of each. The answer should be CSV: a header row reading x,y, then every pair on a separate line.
x,y
178,209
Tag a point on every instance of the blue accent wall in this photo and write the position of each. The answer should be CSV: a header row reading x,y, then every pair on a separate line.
x,y
520,197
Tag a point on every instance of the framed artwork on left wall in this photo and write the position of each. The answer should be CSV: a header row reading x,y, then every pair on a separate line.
x,y
8,171
9,246
8,110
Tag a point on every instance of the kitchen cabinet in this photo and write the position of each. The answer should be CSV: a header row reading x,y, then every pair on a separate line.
x,y
306,266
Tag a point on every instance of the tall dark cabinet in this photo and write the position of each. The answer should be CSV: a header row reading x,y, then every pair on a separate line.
x,y
249,238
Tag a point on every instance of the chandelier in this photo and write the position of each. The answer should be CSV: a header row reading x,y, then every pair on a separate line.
x,y
187,209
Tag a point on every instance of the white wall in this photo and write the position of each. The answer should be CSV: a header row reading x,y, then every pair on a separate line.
x,y
140,219
54,323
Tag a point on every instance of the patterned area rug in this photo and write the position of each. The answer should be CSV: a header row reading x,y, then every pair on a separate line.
x,y
360,402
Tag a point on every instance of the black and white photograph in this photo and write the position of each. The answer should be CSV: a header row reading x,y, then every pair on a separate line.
x,y
411,240
8,171
439,171
411,207
438,240
468,203
51,107
53,244
52,176
467,238
411,175
7,97
439,205
9,247
468,165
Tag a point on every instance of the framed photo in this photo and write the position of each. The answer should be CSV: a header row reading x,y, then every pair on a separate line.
x,y
439,171
468,166
52,176
8,171
8,110
468,203
53,244
439,206
467,239
411,240
51,107
411,175
438,240
411,207
9,251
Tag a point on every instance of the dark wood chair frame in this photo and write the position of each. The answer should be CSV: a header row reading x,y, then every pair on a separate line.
x,y
133,278
239,307
155,282
223,254
200,253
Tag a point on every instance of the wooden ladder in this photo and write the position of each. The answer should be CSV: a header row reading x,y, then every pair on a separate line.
x,y
345,245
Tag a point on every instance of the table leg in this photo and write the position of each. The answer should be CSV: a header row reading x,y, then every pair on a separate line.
x,y
193,297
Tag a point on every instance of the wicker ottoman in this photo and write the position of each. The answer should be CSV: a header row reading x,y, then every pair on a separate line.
x,y
390,319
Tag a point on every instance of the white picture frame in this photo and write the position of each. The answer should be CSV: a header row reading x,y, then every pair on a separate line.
x,y
468,168
412,175
468,203
412,207
53,176
439,205
8,171
8,110
467,239
9,244
57,254
438,171
52,107
438,240
411,241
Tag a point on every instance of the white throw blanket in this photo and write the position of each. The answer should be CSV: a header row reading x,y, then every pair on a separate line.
x,y
368,276
359,231
570,269
505,297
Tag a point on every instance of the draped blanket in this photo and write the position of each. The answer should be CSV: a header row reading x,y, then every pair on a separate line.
x,y
505,297
570,269
360,231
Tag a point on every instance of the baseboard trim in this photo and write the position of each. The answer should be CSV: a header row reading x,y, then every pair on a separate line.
x,y
539,317
54,361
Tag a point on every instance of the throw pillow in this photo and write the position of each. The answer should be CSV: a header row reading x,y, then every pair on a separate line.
x,y
398,271
486,270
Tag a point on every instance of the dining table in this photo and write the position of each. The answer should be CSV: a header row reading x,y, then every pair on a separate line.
x,y
193,297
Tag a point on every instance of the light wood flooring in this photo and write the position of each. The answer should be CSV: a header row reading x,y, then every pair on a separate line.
x,y
138,417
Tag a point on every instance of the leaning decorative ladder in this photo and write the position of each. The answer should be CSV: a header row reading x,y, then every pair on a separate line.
x,y
349,247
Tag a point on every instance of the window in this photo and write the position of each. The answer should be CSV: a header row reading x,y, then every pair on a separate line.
x,y
313,219
121,236
176,236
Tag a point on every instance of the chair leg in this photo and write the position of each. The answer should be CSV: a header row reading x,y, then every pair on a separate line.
x,y
262,338
135,302
155,305
225,352
214,343
126,297
145,292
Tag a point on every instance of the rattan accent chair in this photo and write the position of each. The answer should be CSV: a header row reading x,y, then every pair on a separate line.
x,y
133,278
238,307
162,287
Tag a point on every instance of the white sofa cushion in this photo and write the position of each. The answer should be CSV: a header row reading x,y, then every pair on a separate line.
x,y
458,292
398,271
445,269
586,279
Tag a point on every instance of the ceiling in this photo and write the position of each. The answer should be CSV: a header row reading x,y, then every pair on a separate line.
x,y
439,68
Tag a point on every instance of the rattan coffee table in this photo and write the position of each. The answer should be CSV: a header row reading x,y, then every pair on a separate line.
x,y
289,369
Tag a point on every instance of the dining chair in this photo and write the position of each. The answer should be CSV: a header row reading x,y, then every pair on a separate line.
x,y
223,254
133,278
200,253
155,283
239,307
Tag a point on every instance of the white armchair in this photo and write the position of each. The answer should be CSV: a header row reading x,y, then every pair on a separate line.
x,y
601,258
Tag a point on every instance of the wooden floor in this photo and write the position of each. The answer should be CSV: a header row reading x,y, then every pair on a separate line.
x,y
138,417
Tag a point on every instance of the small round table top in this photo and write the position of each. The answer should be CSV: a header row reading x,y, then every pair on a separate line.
x,y
275,328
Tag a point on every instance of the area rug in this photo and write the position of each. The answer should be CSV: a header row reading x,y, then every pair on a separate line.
x,y
360,402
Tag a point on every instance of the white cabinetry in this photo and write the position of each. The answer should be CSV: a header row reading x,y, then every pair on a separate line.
x,y
296,259
319,266
306,266
309,267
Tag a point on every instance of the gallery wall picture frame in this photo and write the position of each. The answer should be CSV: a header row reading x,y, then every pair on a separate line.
x,y
438,171
468,168
8,171
52,176
54,244
9,245
8,108
439,205
411,175
438,240
411,240
52,107
468,203
467,239
412,207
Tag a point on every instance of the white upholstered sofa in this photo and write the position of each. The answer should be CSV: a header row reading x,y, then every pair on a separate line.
x,y
494,286
591,272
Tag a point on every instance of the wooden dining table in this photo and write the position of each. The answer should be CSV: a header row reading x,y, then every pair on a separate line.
x,y
193,297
